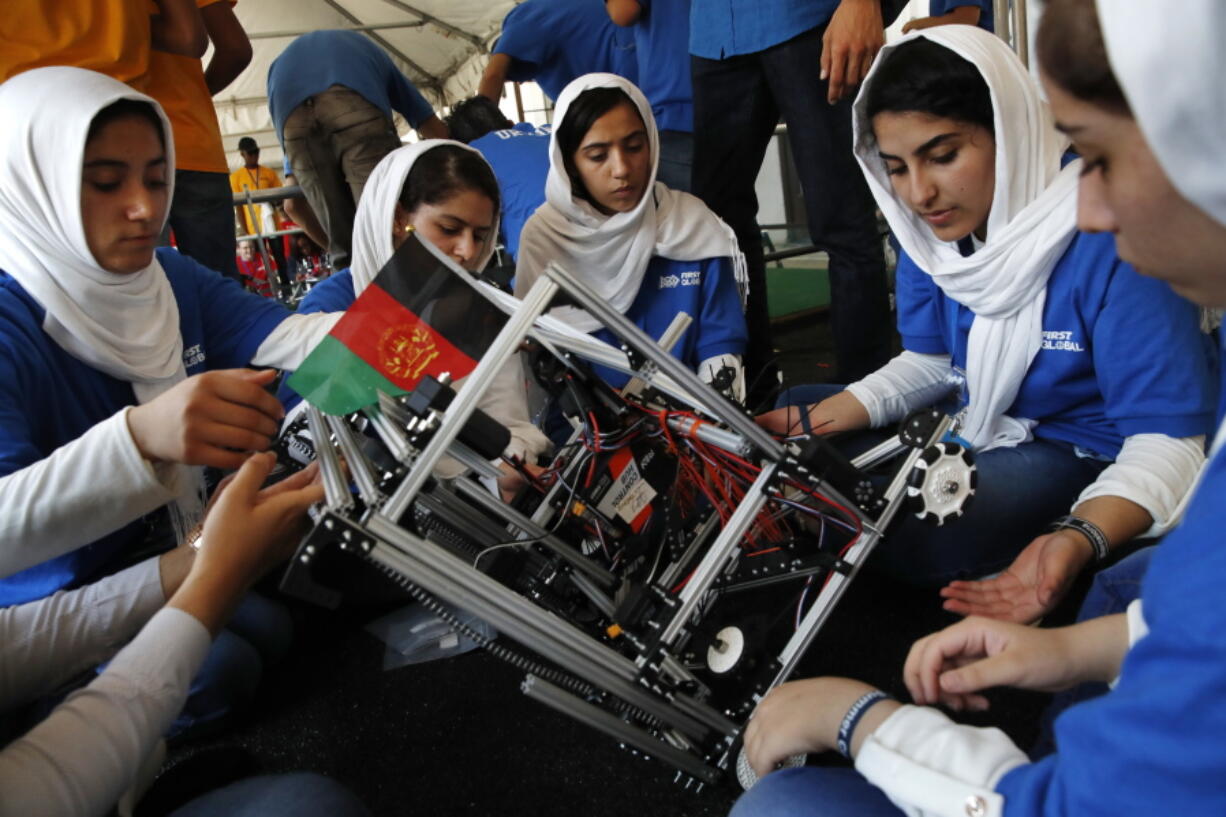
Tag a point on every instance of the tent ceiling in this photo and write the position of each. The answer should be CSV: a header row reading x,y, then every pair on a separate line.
x,y
440,45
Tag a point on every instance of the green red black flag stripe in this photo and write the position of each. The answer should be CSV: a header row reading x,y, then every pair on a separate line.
x,y
420,316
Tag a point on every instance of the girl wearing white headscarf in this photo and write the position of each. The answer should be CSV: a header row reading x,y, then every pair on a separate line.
x,y
1065,359
649,251
448,193
107,349
1153,743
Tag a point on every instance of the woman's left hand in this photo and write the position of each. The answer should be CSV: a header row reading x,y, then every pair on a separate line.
x,y
803,717
1029,588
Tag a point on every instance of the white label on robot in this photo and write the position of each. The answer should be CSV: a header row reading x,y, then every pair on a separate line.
x,y
628,495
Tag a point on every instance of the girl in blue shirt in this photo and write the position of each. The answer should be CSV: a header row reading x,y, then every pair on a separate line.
x,y
119,366
1153,743
1079,383
448,194
649,251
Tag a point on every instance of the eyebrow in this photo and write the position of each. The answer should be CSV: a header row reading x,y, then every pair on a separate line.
x,y
590,145
119,164
924,148
1069,130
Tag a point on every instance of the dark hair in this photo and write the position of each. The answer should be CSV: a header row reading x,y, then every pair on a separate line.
x,y
580,116
441,172
1073,55
474,118
925,77
123,108
248,145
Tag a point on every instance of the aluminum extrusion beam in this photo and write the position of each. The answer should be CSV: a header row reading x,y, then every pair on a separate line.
x,y
462,407
336,489
637,339
359,467
452,580
584,712
721,553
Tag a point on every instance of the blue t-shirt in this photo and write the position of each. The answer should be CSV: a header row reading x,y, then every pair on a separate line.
x,y
315,62
520,158
553,41
726,28
1153,744
661,42
937,8
704,290
49,398
1122,354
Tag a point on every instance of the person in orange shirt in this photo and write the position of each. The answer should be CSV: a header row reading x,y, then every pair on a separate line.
x,y
111,38
200,213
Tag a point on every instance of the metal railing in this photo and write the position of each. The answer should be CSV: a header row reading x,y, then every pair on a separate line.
x,y
249,198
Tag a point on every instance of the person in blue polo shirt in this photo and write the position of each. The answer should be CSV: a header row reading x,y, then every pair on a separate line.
x,y
331,95
1079,383
550,42
121,368
752,63
649,251
957,12
661,45
518,153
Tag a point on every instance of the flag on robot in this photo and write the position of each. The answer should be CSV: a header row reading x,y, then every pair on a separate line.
x,y
422,315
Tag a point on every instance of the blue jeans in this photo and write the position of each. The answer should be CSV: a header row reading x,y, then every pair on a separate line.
x,y
737,104
258,635
676,159
814,791
202,217
300,794
1020,490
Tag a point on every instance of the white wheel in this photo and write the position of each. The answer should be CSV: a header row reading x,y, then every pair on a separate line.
x,y
941,483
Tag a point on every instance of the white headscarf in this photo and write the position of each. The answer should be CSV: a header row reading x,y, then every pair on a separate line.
x,y
611,253
372,226
1171,64
126,325
1032,221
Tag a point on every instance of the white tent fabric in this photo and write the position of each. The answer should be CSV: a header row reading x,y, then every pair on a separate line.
x,y
440,45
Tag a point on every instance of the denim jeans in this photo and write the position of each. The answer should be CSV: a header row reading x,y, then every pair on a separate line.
x,y
301,794
333,140
202,217
1019,491
258,635
814,791
676,159
737,104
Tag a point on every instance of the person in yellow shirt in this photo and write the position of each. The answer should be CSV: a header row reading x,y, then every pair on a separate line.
x,y
255,176
200,214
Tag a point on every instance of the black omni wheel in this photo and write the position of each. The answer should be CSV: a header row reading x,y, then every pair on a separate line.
x,y
941,483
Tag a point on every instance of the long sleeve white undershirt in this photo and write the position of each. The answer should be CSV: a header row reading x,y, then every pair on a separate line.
x,y
930,766
99,482
82,757
1154,471
84,490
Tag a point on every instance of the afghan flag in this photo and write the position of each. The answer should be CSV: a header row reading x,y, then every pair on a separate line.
x,y
422,315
